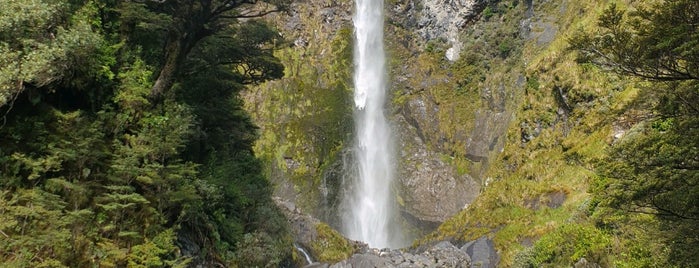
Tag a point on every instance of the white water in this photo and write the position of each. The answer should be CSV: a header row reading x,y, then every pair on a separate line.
x,y
303,251
371,215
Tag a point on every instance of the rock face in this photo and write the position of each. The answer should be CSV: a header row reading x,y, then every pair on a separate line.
x,y
431,190
478,253
443,19
304,115
431,185
302,225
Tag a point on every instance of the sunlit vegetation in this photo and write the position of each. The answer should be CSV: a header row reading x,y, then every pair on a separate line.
x,y
123,139
602,127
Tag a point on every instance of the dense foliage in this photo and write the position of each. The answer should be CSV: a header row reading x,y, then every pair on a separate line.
x,y
123,141
655,169
607,125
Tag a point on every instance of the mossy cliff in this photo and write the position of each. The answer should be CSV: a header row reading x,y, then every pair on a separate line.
x,y
500,128
305,117
536,206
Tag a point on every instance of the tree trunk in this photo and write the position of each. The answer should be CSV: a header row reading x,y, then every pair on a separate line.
x,y
174,54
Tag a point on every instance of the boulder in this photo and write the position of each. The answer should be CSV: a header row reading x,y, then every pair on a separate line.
x,y
482,252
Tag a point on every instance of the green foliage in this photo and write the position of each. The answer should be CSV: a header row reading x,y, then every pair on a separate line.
x,y
38,213
567,244
305,117
658,41
152,252
653,169
562,129
46,42
95,171
488,12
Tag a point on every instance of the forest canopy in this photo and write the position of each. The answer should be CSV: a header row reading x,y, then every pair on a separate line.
x,y
123,137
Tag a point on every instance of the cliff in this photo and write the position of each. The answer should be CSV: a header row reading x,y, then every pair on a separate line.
x,y
501,129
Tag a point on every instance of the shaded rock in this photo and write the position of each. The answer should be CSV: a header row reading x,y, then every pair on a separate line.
x,y
430,189
441,254
302,225
482,252
306,231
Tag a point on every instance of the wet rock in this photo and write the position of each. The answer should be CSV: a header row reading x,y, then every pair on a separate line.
x,y
302,225
442,254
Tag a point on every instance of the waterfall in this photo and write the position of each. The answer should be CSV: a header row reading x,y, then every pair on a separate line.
x,y
370,215
303,251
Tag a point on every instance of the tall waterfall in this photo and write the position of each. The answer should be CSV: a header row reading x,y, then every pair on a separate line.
x,y
371,214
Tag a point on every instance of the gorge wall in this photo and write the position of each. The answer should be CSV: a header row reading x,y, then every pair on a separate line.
x,y
500,128
447,127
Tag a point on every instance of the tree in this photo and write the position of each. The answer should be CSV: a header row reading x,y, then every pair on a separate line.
x,y
655,168
190,21
658,42
122,176
44,42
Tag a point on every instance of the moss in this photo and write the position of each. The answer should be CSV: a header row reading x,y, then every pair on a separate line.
x,y
330,246
305,117
559,157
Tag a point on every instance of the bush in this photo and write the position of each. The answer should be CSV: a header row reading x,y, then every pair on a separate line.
x,y
567,244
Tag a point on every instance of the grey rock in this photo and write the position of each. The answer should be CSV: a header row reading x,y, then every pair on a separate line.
x,y
447,255
442,254
431,189
443,19
482,252
364,260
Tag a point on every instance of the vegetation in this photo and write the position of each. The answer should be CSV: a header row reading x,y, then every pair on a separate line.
x,y
331,246
655,168
305,117
618,146
124,141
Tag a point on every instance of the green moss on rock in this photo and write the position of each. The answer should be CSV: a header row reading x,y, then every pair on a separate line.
x,y
331,246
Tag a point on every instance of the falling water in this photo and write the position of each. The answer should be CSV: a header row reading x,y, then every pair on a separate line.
x,y
371,215
309,260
